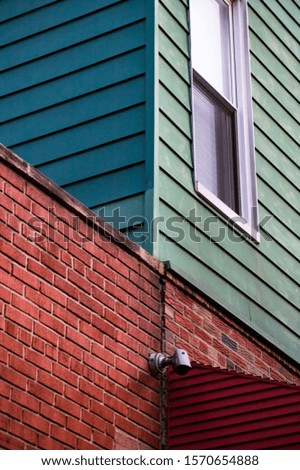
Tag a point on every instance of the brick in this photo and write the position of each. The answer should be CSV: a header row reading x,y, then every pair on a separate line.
x,y
11,409
38,359
104,270
24,276
118,377
66,287
5,389
80,254
92,304
114,404
51,382
11,344
124,442
126,312
67,406
128,260
22,305
101,352
5,294
26,246
118,266
38,298
84,445
17,196
66,258
23,367
5,231
24,432
139,418
105,442
36,422
64,436
46,443
79,281
40,270
127,397
151,439
77,396
149,275
89,389
149,408
95,278
142,283
94,250
115,319
18,317
53,294
99,365
116,347
10,442
25,400
79,310
15,378
41,392
78,427
103,298
65,374
52,323
53,264
38,345
13,178
116,292
88,330
79,267
7,203
25,338
12,284
126,425
104,383
78,338
39,196
103,411
70,348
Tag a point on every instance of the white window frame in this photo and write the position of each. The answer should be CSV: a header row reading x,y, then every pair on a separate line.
x,y
247,219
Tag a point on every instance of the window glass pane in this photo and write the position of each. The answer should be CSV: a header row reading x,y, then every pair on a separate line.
x,y
211,43
214,146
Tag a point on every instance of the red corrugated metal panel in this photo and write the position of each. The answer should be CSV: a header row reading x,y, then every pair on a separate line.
x,y
212,408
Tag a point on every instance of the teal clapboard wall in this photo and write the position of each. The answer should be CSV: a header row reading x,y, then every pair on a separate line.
x,y
74,94
259,284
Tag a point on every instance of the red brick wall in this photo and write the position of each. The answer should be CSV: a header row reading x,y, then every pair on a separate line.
x,y
80,310
213,338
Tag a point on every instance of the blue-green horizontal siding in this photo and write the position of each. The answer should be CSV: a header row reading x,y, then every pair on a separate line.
x,y
258,283
73,94
80,138
98,160
111,186
73,85
9,9
75,112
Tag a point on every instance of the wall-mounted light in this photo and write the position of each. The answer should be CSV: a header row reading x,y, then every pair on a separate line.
x,y
159,361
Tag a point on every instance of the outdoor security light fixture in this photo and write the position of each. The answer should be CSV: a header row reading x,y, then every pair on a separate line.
x,y
159,361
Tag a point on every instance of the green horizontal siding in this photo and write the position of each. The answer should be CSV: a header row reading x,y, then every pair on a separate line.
x,y
74,95
258,283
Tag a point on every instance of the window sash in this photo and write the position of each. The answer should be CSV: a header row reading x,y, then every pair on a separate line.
x,y
215,147
245,215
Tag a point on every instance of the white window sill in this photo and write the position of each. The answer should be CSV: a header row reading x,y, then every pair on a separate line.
x,y
234,219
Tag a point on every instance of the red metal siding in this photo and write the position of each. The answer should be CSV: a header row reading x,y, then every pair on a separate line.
x,y
212,408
